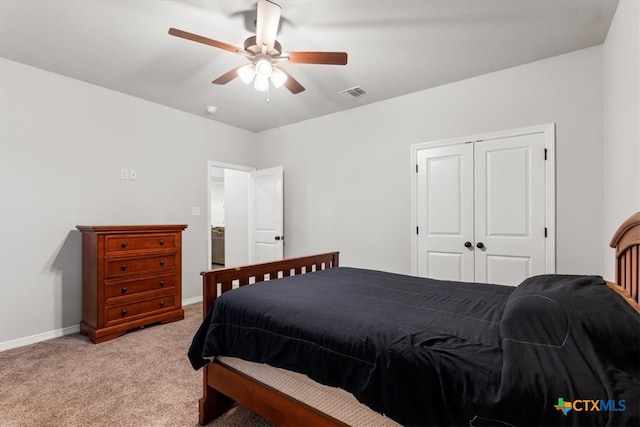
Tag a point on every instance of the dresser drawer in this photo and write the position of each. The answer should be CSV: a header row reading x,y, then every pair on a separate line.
x,y
133,242
150,264
127,312
131,287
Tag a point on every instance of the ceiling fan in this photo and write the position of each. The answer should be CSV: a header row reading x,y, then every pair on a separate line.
x,y
264,52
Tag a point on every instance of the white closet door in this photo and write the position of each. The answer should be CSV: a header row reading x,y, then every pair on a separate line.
x,y
485,207
445,212
509,208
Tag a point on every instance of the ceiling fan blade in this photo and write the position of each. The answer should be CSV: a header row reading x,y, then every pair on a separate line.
x,y
227,77
204,40
292,84
329,58
267,23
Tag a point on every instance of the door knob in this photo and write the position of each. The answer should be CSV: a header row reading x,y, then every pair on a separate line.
x,y
467,244
480,245
279,237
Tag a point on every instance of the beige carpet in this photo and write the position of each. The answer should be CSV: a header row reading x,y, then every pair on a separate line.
x,y
142,378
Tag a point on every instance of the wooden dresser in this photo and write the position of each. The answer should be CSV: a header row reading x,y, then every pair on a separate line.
x,y
131,277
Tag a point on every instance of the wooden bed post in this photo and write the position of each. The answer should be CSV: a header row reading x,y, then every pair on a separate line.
x,y
212,404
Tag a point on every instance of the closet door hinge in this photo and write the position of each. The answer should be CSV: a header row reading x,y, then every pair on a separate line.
x,y
416,168
545,232
545,154
417,230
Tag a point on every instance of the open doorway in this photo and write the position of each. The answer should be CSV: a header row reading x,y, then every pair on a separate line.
x,y
228,214
217,217
245,212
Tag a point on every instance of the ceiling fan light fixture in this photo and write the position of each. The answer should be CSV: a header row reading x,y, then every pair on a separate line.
x,y
278,77
247,73
261,83
264,68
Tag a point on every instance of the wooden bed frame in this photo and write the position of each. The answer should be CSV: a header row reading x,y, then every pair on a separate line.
x,y
224,385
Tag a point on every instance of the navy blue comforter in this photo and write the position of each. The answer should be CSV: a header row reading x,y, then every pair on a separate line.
x,y
428,352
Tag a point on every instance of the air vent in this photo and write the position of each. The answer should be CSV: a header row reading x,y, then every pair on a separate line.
x,y
354,92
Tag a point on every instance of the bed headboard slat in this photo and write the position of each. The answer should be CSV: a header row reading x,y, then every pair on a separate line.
x,y
626,242
256,273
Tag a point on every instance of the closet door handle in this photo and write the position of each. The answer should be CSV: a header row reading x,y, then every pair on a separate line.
x,y
480,245
467,244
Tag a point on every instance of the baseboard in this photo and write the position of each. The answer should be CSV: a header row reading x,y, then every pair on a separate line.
x,y
21,342
33,339
190,301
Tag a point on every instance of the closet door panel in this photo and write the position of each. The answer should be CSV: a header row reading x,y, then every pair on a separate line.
x,y
445,212
509,184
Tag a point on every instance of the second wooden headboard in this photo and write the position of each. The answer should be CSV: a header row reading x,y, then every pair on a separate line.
x,y
626,242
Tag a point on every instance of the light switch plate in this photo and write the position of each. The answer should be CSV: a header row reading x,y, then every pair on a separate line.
x,y
195,211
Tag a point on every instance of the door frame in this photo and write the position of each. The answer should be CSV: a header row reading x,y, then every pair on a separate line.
x,y
550,184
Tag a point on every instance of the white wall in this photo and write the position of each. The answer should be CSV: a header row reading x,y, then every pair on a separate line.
x,y
347,175
63,143
621,123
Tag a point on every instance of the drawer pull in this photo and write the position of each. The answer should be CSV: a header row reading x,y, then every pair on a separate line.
x,y
161,282
161,262
123,312
161,303
161,242
123,267
124,245
124,290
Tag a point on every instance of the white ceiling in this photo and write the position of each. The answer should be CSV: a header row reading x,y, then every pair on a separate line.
x,y
395,47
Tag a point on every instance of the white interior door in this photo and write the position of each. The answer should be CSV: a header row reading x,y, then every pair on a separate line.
x,y
445,212
510,208
266,215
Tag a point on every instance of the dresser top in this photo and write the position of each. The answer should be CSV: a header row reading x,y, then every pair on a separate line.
x,y
111,229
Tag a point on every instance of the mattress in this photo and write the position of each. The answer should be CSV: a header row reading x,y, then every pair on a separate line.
x,y
330,400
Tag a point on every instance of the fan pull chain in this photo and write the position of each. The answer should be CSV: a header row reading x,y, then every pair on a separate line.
x,y
268,94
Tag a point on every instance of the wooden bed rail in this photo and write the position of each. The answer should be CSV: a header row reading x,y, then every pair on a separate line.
x,y
216,282
626,242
